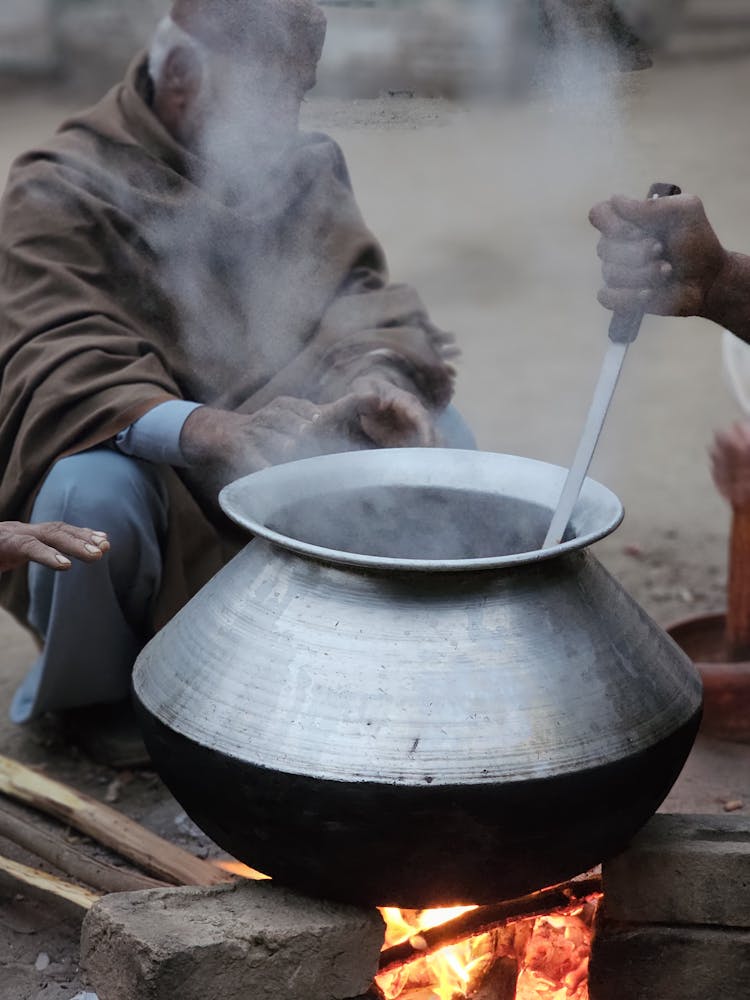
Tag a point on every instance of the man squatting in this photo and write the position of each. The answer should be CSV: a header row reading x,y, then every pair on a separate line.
x,y
188,293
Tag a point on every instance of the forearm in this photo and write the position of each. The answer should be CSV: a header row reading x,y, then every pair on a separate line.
x,y
207,438
728,302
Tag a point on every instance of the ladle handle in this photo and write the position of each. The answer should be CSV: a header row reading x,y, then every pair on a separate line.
x,y
624,327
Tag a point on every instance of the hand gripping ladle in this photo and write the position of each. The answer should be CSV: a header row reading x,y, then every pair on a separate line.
x,y
623,329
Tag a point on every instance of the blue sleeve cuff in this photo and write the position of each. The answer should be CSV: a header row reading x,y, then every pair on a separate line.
x,y
155,437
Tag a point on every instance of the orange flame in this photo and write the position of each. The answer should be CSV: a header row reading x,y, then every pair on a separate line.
x,y
237,868
552,953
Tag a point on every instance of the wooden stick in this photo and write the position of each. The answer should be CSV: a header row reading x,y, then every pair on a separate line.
x,y
109,827
53,849
49,883
500,982
484,918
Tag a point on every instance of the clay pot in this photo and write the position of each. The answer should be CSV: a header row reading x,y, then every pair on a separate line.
x,y
719,644
726,683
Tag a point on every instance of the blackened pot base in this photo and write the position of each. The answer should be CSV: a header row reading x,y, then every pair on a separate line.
x,y
415,846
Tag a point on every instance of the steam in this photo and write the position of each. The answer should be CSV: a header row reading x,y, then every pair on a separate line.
x,y
245,124
486,53
246,161
421,523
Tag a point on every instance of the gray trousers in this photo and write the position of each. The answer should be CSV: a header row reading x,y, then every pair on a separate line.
x,y
95,618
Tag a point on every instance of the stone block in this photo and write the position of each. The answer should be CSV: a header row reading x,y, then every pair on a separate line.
x,y
670,963
683,870
252,941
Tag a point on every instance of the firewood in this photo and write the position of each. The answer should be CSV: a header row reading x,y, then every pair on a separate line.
x,y
75,894
485,918
500,981
52,848
109,827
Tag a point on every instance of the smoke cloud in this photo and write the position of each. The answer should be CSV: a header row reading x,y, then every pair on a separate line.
x,y
484,53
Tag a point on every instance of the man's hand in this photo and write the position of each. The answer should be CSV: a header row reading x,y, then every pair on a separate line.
x,y
284,430
50,544
659,255
398,419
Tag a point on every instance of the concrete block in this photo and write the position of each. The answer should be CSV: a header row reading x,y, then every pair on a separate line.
x,y
683,870
670,963
252,941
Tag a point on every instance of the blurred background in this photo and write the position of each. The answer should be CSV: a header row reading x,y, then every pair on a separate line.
x,y
478,134
437,44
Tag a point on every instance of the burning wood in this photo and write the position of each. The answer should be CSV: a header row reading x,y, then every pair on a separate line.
x,y
500,982
493,953
459,923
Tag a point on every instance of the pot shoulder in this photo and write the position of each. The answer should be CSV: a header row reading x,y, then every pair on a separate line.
x,y
332,672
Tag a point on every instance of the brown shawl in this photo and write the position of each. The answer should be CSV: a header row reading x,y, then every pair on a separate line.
x,y
125,281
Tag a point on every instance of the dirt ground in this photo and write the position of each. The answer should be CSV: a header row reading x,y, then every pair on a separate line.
x,y
484,210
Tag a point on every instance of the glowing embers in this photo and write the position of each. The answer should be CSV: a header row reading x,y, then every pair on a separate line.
x,y
533,958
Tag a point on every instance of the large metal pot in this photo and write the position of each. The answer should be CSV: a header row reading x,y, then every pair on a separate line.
x,y
450,715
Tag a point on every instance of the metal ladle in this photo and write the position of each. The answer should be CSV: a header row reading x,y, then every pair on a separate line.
x,y
623,329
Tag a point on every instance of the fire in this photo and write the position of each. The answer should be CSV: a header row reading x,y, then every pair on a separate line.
x,y
551,954
237,868
555,964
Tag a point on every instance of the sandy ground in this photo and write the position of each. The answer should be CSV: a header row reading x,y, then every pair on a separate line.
x,y
485,212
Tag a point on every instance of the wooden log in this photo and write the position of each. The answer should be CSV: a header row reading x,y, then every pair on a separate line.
x,y
419,993
52,848
111,828
76,894
485,918
500,981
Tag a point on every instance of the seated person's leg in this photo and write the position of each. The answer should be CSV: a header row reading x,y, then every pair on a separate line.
x,y
94,619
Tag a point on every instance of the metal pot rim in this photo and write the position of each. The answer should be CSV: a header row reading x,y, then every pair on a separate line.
x,y
253,500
